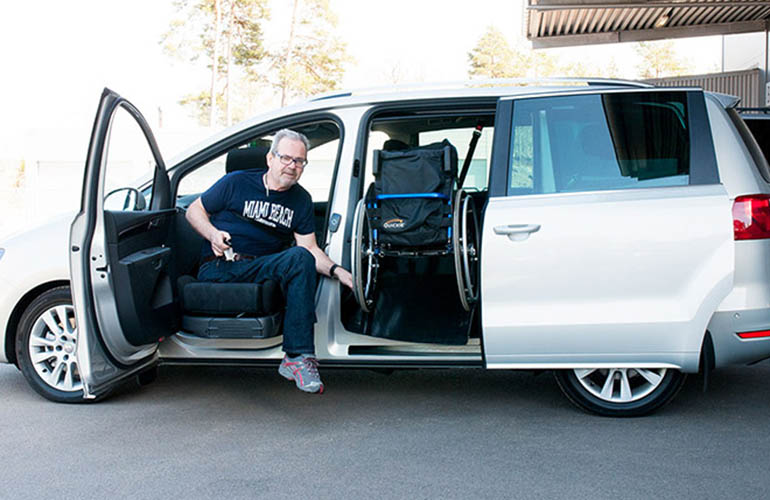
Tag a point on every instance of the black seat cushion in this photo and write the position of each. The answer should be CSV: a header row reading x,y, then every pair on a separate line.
x,y
229,299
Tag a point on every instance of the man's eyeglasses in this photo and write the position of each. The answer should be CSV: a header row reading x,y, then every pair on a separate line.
x,y
287,160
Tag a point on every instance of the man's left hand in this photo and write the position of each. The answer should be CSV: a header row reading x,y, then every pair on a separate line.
x,y
344,276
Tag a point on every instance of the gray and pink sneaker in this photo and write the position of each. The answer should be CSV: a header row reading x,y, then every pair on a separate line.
x,y
303,370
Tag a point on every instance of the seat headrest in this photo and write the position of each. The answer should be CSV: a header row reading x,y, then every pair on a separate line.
x,y
394,145
246,158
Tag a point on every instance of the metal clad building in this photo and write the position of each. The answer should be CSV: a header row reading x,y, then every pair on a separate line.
x,y
747,84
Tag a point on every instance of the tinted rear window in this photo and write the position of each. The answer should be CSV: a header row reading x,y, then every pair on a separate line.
x,y
599,142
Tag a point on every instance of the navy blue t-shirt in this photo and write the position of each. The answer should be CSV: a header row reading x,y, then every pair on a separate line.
x,y
259,223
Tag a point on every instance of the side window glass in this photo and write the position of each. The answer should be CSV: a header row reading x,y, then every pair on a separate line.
x,y
522,166
128,163
316,177
199,180
324,140
599,142
319,171
376,140
476,180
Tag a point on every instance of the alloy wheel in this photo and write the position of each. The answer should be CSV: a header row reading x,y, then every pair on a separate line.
x,y
620,385
53,347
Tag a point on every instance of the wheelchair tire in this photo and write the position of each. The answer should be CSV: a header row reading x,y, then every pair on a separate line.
x,y
466,245
364,262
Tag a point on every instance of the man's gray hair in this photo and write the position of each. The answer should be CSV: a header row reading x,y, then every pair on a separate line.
x,y
288,134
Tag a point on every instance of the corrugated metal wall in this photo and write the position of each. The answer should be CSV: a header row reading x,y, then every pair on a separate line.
x,y
747,84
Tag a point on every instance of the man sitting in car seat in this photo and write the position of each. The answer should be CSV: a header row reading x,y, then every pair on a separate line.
x,y
251,217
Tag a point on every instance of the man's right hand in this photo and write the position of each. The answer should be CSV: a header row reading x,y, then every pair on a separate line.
x,y
219,242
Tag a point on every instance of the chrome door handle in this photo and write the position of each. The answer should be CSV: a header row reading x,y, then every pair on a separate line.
x,y
517,232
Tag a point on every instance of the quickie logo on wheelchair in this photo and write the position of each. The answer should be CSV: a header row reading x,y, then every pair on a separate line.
x,y
394,224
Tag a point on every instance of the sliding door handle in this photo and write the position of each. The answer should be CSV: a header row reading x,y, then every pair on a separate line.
x,y
517,232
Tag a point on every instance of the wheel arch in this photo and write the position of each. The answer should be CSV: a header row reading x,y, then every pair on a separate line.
x,y
11,328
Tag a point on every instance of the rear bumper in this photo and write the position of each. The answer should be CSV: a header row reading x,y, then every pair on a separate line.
x,y
729,349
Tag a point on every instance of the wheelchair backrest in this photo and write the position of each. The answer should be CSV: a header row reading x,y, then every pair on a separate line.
x,y
424,169
409,204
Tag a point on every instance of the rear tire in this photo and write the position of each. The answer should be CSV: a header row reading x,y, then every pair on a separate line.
x,y
46,345
620,392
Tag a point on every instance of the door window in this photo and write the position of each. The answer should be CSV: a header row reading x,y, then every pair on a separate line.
x,y
599,142
128,161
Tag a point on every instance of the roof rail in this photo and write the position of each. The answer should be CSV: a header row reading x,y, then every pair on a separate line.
x,y
491,82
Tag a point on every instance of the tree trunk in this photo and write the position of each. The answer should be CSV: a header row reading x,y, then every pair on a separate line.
x,y
215,64
287,57
228,80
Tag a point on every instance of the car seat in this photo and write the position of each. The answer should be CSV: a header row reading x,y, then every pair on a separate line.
x,y
226,310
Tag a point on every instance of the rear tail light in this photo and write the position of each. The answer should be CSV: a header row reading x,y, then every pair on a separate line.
x,y
754,335
751,217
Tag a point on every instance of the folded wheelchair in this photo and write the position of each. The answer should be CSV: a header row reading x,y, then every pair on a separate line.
x,y
415,209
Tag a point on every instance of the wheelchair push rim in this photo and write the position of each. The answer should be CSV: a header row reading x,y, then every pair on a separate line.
x,y
364,261
465,242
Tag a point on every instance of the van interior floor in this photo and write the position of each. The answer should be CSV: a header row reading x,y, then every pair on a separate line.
x,y
416,300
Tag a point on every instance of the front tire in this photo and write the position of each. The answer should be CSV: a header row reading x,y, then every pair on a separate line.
x,y
620,392
46,346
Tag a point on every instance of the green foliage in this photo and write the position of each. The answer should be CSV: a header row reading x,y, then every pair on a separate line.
x,y
21,175
658,60
313,59
494,57
543,64
228,36
200,105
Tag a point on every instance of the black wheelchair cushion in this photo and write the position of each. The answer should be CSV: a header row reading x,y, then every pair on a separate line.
x,y
229,299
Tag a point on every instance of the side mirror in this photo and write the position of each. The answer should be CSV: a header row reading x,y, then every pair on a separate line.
x,y
126,199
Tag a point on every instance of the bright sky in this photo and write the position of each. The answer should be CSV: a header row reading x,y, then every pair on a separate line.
x,y
57,56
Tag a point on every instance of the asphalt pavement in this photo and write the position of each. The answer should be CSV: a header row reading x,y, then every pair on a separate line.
x,y
247,433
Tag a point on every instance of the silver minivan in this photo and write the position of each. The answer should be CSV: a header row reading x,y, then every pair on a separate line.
x,y
611,232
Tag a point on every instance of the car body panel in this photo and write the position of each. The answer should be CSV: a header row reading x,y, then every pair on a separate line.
x,y
32,258
732,155
562,295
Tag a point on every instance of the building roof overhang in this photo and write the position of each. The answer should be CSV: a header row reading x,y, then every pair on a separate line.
x,y
560,23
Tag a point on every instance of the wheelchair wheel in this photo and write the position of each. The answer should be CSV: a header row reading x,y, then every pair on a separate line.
x,y
364,261
466,246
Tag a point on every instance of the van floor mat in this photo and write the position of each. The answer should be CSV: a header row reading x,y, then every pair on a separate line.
x,y
419,308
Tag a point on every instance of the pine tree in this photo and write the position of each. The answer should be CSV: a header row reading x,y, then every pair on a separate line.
x,y
228,34
658,60
312,59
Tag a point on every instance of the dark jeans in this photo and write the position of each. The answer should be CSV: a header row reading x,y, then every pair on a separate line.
x,y
294,269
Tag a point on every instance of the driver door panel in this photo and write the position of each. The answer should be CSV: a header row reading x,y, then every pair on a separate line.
x,y
141,264
120,261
